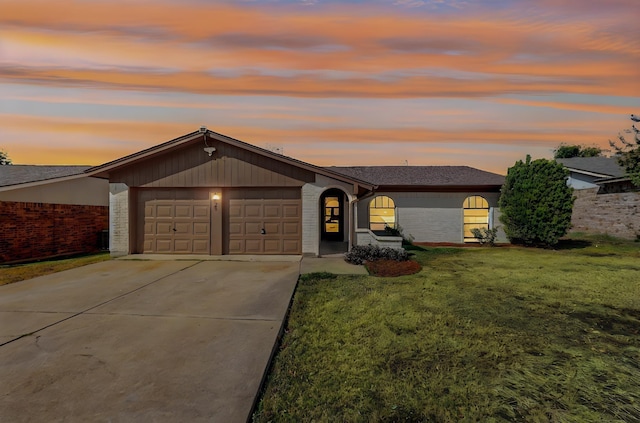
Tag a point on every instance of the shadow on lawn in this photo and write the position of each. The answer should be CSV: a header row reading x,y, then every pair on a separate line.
x,y
572,244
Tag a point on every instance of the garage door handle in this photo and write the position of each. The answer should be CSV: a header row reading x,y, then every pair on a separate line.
x,y
174,229
263,232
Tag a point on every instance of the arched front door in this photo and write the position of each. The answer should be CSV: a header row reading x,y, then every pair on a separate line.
x,y
332,215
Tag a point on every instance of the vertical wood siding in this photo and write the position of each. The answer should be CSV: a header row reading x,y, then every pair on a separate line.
x,y
229,166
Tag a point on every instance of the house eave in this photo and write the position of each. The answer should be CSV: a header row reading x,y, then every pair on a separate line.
x,y
103,171
438,188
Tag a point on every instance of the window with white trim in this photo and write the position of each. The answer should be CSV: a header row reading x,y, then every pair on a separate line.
x,y
382,213
476,215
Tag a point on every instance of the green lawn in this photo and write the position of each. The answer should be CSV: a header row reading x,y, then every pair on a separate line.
x,y
480,334
20,272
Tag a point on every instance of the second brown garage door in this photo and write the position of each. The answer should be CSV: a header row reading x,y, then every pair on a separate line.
x,y
265,226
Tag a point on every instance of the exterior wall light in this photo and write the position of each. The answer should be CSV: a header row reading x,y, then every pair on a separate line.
x,y
215,197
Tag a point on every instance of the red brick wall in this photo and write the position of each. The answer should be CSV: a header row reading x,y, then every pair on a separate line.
x,y
612,214
37,230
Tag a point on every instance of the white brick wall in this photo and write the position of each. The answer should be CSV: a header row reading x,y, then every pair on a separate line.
x,y
118,219
311,193
432,216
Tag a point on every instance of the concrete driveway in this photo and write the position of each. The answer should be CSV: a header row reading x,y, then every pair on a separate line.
x,y
141,341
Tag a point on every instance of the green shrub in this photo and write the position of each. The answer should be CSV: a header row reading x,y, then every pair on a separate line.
x,y
485,236
536,202
360,254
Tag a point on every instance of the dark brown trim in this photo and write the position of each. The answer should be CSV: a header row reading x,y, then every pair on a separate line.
x,y
437,188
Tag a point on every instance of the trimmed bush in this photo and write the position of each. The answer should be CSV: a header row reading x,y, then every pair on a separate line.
x,y
485,236
536,202
360,254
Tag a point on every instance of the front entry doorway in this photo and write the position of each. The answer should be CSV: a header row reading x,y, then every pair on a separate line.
x,y
332,215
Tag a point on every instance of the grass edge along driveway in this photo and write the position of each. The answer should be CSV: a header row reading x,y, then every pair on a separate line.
x,y
20,272
485,334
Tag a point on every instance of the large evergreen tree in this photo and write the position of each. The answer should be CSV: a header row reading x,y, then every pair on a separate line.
x,y
536,202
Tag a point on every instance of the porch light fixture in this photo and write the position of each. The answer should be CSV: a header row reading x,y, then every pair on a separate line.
x,y
215,197
207,149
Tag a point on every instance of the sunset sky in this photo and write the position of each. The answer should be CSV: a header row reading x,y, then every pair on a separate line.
x,y
433,82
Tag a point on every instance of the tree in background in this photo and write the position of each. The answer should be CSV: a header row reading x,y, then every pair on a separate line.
x,y
536,202
566,151
628,152
4,158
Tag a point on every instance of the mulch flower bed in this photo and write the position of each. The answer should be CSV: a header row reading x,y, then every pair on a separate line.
x,y
392,268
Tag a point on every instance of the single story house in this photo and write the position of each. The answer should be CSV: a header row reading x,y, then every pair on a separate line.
x,y
48,211
207,193
606,200
590,172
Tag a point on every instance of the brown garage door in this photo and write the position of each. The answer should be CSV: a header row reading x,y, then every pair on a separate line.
x,y
177,226
265,226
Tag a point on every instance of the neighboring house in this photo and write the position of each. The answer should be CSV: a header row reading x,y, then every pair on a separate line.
x,y
48,211
590,172
206,193
606,200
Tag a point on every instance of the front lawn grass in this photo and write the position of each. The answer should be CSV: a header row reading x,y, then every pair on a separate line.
x,y
20,272
480,334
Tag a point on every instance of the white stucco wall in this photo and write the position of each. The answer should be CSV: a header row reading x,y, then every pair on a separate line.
x,y
431,216
311,193
118,219
84,191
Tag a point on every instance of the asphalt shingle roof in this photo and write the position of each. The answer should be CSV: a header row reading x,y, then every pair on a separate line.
x,y
420,175
22,174
602,165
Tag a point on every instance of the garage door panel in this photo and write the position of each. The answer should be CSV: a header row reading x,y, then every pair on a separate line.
x,y
164,228
291,210
281,220
291,228
201,246
272,228
182,246
252,210
201,211
183,211
290,246
252,228
272,246
272,211
182,228
201,228
164,210
163,246
253,246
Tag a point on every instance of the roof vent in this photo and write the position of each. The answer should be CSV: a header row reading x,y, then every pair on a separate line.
x,y
203,130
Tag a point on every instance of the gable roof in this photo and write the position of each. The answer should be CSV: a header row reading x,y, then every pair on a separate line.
x,y
443,176
102,171
595,166
23,174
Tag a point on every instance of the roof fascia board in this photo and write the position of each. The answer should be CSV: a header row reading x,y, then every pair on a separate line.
x,y
102,170
588,173
438,188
